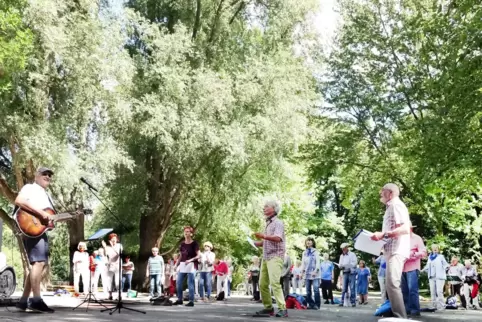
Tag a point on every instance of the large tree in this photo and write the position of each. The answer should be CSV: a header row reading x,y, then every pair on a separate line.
x,y
219,97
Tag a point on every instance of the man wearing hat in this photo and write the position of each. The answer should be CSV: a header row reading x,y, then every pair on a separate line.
x,y
411,271
206,271
348,262
34,198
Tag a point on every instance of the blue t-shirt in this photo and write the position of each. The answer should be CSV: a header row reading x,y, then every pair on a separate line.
x,y
326,269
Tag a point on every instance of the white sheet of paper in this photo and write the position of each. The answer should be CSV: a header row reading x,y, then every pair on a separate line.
x,y
186,268
252,242
364,243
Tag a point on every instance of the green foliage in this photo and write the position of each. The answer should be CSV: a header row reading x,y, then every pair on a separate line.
x,y
402,105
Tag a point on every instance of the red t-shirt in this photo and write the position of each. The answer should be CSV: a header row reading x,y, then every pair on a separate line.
x,y
221,268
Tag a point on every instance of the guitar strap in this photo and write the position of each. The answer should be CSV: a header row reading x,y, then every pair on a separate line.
x,y
51,203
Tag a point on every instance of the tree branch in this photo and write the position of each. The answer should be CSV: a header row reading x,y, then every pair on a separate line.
x,y
16,170
241,6
6,191
197,22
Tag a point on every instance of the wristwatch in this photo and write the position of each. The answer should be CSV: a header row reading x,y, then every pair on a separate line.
x,y
386,236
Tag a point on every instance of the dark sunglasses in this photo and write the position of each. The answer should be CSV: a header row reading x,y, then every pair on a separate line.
x,y
48,174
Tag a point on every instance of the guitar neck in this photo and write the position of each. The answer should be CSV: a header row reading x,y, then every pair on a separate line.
x,y
63,216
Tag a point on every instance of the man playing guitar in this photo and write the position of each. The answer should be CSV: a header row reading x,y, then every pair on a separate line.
x,y
34,198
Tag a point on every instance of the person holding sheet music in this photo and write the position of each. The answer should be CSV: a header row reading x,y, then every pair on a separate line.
x,y
395,230
348,262
455,271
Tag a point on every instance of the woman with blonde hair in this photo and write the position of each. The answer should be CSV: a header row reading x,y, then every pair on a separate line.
x,y
206,271
81,268
254,274
436,268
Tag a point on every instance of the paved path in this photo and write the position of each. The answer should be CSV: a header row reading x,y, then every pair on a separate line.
x,y
236,309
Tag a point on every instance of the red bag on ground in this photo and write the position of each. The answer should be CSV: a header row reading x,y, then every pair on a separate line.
x,y
292,303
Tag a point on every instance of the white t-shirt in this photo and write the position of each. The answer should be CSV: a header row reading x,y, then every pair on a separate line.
x,y
113,256
36,196
205,257
83,257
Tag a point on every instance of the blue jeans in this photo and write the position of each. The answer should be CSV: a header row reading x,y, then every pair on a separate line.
x,y
126,281
315,284
410,291
205,282
349,280
190,285
155,289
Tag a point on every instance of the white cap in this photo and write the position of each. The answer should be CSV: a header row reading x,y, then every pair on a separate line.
x,y
344,245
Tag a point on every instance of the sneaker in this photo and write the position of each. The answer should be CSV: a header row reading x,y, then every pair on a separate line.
x,y
177,303
269,312
332,302
340,305
40,307
190,304
365,303
353,305
326,302
282,314
23,307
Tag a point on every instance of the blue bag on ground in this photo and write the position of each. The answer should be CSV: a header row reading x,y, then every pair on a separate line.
x,y
385,308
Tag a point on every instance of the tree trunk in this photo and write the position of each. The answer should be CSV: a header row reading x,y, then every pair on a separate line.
x,y
148,235
76,235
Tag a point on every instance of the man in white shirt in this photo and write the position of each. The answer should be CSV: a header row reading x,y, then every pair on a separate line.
x,y
34,198
396,231
348,262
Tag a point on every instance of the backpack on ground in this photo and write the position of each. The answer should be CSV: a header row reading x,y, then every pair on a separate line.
x,y
295,301
220,296
451,303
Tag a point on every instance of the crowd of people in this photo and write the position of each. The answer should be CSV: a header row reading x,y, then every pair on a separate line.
x,y
398,274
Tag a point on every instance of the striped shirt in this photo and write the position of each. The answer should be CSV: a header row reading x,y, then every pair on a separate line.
x,y
156,265
396,214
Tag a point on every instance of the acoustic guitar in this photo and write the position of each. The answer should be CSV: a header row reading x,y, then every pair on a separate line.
x,y
31,226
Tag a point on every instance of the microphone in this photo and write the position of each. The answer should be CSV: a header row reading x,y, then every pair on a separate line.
x,y
88,184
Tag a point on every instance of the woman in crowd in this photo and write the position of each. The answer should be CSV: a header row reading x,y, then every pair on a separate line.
x,y
113,251
456,270
311,271
471,285
229,279
254,272
188,260
127,271
364,278
297,274
436,268
381,275
81,268
100,262
206,270
327,276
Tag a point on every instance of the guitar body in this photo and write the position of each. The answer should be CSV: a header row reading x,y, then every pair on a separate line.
x,y
30,225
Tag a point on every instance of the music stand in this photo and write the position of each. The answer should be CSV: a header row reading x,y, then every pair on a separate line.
x,y
119,305
90,296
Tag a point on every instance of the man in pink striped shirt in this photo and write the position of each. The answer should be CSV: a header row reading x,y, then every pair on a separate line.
x,y
411,271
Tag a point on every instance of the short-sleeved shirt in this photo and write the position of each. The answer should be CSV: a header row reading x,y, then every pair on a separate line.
x,y
396,214
36,196
189,251
156,265
326,269
274,227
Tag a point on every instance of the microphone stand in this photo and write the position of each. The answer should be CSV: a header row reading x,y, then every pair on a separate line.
x,y
119,305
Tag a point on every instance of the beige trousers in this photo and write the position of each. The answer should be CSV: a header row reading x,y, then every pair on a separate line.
x,y
393,281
